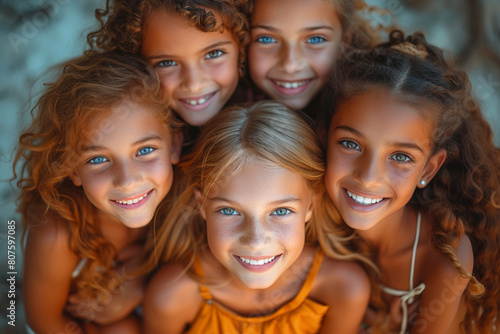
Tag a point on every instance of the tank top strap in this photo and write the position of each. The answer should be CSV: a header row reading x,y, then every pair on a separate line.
x,y
311,276
198,270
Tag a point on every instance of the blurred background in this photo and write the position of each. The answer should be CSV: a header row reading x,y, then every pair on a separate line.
x,y
37,34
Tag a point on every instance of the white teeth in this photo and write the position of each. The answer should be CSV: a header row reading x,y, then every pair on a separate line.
x,y
363,200
132,201
258,262
289,85
199,101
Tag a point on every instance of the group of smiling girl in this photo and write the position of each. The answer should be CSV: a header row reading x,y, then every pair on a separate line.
x,y
265,166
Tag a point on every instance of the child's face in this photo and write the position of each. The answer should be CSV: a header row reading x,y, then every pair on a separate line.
x,y
378,152
127,165
258,216
198,70
294,45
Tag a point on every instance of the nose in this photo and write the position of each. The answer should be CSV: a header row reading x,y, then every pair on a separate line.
x,y
193,78
370,170
127,175
292,58
255,233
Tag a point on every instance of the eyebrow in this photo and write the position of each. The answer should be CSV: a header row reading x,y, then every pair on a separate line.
x,y
393,143
313,28
139,142
290,199
208,48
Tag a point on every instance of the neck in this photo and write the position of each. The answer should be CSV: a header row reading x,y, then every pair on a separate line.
x,y
391,234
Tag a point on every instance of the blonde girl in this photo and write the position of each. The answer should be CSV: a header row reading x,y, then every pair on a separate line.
x,y
197,47
413,171
244,251
95,164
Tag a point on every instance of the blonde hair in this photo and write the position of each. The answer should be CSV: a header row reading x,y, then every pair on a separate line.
x,y
50,148
267,132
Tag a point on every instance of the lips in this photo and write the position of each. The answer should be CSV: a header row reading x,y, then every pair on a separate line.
x,y
198,103
363,203
291,84
131,201
363,200
257,265
291,87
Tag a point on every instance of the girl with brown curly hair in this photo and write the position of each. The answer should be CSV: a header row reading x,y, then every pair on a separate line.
x,y
414,173
197,47
95,164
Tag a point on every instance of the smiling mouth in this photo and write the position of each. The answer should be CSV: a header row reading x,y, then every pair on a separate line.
x,y
260,262
363,200
195,102
291,85
133,201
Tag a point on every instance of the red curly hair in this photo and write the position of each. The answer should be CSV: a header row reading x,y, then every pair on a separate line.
x,y
49,150
464,195
121,22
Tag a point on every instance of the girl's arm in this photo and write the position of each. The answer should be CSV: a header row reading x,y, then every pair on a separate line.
x,y
443,292
122,302
171,302
48,263
345,288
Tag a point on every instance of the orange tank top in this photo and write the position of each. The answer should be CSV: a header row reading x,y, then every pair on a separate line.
x,y
300,315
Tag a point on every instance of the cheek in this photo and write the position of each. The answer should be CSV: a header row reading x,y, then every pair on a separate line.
x,y
322,64
259,63
226,75
168,84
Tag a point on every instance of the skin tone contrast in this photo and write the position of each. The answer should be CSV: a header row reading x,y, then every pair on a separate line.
x,y
198,70
294,45
126,168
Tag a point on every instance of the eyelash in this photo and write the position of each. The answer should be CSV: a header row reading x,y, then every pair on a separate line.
x,y
92,161
322,40
218,52
269,38
408,159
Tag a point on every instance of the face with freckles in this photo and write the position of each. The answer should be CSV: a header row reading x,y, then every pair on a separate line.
x,y
198,70
294,45
379,150
256,222
126,165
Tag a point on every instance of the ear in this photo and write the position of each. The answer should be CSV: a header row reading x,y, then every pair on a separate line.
x,y
199,202
75,179
433,165
176,149
310,209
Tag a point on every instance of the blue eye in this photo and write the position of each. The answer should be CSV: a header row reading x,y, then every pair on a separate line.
x,y
281,212
214,54
166,63
145,150
266,40
228,211
316,40
401,157
97,160
350,144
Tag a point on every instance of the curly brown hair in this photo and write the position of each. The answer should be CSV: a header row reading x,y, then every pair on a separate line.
x,y
121,22
464,195
49,150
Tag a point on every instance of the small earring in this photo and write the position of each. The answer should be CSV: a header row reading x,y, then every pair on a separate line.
x,y
422,182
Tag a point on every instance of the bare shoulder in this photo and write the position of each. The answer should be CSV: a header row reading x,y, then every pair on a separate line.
x,y
344,281
171,295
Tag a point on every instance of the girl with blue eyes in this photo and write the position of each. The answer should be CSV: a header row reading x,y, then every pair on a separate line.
x,y
96,164
295,44
244,248
414,173
198,48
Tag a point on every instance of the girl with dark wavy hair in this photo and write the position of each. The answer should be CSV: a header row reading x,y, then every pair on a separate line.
x,y
95,164
414,173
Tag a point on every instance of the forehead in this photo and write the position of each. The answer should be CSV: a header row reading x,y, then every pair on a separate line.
x,y
166,29
378,116
292,10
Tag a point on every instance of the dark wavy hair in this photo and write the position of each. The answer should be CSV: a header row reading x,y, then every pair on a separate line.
x,y
121,22
49,150
464,196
